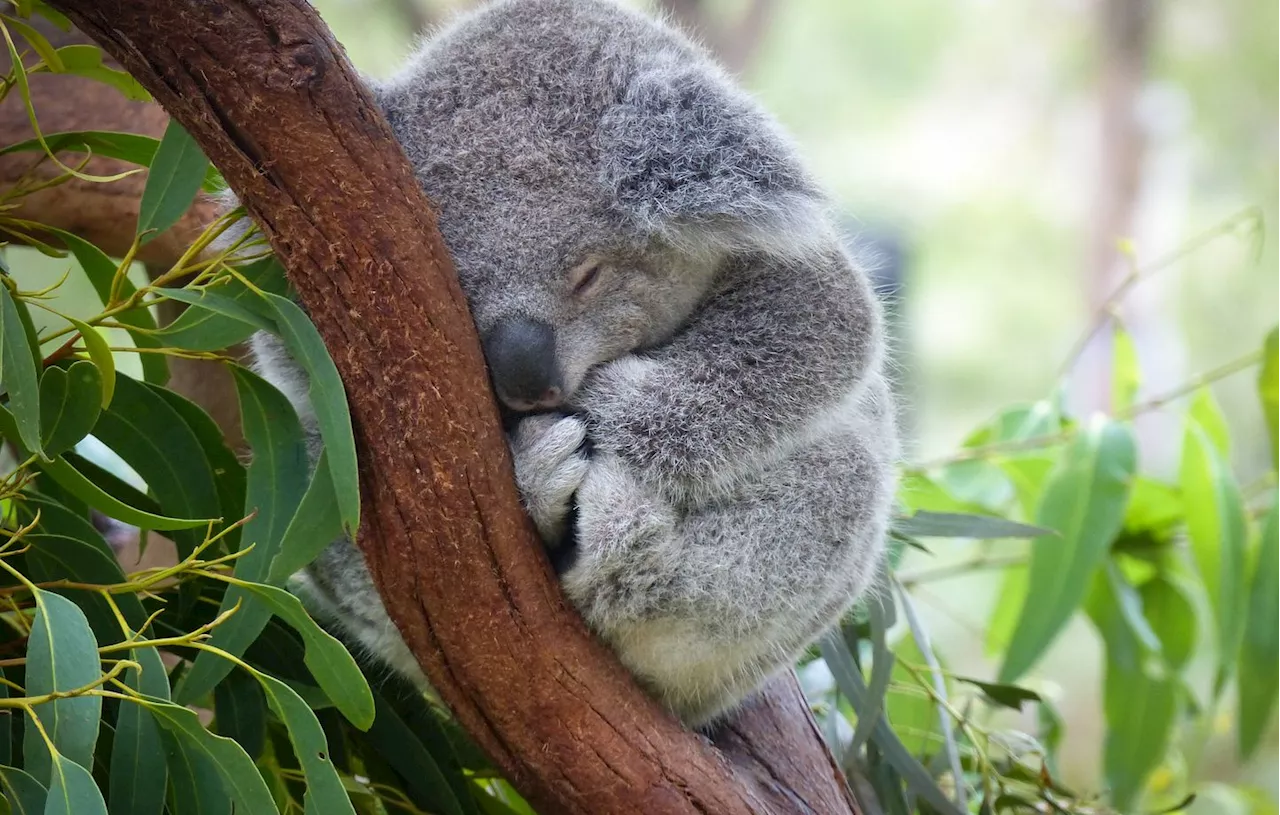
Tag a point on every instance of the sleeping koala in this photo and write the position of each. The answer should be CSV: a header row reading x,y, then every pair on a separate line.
x,y
701,427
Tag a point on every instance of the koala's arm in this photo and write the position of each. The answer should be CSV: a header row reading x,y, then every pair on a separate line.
x,y
702,604
778,343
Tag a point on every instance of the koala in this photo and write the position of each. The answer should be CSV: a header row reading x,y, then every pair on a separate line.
x,y
691,363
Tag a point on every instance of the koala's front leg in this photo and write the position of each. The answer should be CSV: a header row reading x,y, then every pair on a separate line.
x,y
550,463
702,602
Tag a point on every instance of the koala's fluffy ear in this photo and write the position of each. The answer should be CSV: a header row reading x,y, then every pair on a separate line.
x,y
695,160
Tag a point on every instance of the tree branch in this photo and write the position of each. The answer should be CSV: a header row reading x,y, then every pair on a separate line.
x,y
481,611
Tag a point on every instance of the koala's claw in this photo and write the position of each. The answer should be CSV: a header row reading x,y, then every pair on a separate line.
x,y
550,462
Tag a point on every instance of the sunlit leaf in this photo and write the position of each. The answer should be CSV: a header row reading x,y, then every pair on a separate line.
x,y
62,655
1172,615
1005,613
101,356
1216,528
1085,502
38,42
1269,390
70,401
177,171
1126,376
86,61
1260,653
1205,412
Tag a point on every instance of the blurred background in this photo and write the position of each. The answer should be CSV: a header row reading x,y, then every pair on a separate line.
x,y
1009,163
1005,165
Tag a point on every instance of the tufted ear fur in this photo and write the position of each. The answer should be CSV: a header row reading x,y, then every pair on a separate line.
x,y
695,160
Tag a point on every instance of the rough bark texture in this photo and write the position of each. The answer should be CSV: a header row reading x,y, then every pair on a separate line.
x,y
268,94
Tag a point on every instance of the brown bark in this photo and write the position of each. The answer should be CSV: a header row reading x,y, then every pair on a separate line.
x,y
266,91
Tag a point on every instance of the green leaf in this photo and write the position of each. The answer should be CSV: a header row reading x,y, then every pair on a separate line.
x,y
314,526
329,662
1172,615
18,372
1269,390
214,320
192,744
1085,502
1006,612
138,780
70,401
155,440
955,525
1010,696
1260,653
328,401
195,784
1140,701
101,271
177,171
325,794
26,795
1216,528
48,54
1126,376
75,483
62,655
1205,412
277,478
424,781
130,147
101,356
72,791
240,711
86,61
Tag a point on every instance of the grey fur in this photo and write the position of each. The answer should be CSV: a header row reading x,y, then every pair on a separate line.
x,y
725,365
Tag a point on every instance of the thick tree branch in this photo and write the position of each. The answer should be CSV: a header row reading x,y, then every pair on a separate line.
x,y
268,94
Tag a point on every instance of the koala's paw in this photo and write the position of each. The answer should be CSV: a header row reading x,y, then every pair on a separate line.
x,y
550,463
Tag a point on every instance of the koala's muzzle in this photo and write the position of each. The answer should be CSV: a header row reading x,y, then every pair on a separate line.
x,y
522,361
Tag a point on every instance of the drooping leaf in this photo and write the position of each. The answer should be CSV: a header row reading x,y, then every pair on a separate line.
x,y
1172,615
1010,696
138,779
177,171
424,780
72,790
324,792
314,526
101,356
81,487
1085,502
276,482
240,711
38,42
1140,701
70,401
1269,390
18,373
26,796
155,440
955,525
195,783
86,61
1216,528
62,655
1260,653
214,319
192,744
130,147
328,401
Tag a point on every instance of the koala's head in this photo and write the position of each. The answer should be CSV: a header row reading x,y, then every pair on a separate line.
x,y
593,172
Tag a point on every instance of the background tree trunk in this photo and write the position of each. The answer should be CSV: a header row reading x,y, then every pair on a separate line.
x,y
482,611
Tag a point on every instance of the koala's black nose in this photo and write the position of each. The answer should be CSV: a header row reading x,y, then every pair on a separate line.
x,y
522,360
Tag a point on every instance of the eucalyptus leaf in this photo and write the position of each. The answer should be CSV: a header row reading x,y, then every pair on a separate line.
x,y
1269,390
1085,502
62,655
324,792
72,790
70,401
177,172
101,356
1126,376
1260,652
26,796
240,711
18,373
138,780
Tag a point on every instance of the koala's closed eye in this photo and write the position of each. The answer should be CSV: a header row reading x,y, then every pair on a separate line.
x,y
584,277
